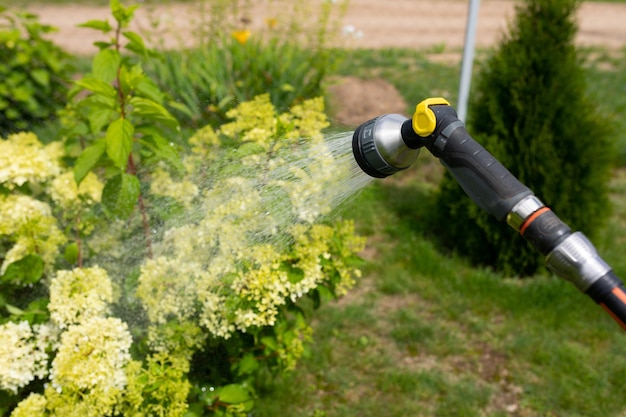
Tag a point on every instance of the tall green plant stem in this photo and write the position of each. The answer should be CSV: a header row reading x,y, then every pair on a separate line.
x,y
131,167
142,209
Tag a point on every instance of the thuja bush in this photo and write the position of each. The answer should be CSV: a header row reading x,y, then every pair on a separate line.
x,y
140,278
532,111
34,72
236,57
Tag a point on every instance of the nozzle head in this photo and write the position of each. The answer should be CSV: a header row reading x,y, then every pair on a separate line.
x,y
379,149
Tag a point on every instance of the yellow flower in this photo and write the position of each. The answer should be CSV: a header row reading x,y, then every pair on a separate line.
x,y
241,36
254,121
271,22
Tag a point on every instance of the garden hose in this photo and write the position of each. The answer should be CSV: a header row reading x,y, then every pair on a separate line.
x,y
390,143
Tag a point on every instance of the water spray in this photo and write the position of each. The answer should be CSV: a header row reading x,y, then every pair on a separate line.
x,y
391,143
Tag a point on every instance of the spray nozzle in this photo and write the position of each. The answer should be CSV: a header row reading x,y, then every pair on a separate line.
x,y
379,148
391,142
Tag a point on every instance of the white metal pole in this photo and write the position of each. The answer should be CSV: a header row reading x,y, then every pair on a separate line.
x,y
468,58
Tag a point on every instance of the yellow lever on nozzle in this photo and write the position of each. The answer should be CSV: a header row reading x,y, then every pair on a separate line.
x,y
424,119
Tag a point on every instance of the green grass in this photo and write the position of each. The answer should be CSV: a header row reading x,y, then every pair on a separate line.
x,y
426,334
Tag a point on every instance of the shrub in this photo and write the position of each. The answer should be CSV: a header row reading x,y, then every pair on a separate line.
x,y
531,110
138,279
287,71
34,72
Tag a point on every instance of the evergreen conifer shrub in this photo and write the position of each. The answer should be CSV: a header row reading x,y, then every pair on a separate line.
x,y
532,112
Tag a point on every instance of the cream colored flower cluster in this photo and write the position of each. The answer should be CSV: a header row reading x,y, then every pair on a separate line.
x,y
263,285
167,289
91,351
92,355
182,191
242,258
29,224
23,353
33,405
67,194
24,159
255,121
306,120
78,295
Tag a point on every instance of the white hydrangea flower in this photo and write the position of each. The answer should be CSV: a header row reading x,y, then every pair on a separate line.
x,y
213,316
24,159
79,294
182,191
66,193
33,405
23,355
167,289
93,354
30,224
16,210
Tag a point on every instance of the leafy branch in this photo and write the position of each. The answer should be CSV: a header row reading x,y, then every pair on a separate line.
x,y
124,115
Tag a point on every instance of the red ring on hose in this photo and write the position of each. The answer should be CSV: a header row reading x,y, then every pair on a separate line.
x,y
532,218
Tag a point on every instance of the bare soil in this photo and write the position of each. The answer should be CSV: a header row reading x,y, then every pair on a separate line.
x,y
382,23
423,24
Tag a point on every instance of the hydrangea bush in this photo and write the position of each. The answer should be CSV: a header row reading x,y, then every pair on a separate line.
x,y
145,276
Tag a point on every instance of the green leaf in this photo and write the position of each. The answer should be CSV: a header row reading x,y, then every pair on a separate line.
x,y
269,342
181,107
101,25
120,195
153,111
98,101
88,159
71,253
136,43
14,310
123,15
119,141
234,394
97,86
27,270
106,65
41,77
98,118
103,45
131,77
148,89
248,364
37,311
164,151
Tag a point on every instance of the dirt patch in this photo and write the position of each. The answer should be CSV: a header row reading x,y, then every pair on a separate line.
x,y
420,24
354,101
